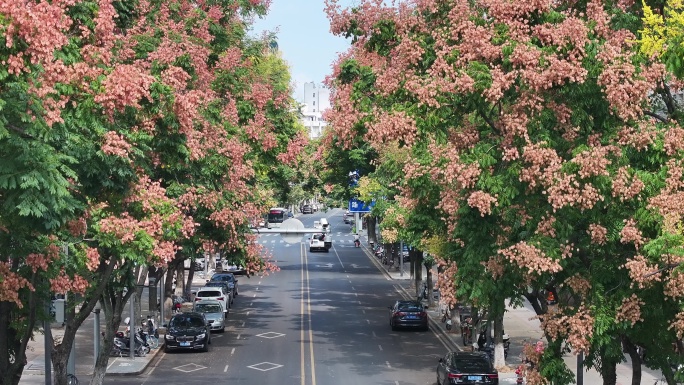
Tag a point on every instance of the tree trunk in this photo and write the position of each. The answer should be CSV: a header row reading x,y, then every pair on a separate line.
x,y
631,349
609,372
430,285
10,341
418,278
370,229
113,303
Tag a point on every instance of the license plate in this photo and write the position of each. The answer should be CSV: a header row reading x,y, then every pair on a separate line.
x,y
474,378
184,344
412,317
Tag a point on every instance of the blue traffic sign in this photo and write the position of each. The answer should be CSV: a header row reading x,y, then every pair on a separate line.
x,y
359,206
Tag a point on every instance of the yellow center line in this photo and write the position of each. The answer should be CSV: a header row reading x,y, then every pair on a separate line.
x,y
311,344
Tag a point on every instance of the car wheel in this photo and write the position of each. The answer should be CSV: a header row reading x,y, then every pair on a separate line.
x,y
166,349
206,347
223,329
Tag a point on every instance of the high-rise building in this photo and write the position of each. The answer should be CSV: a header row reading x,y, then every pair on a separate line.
x,y
316,100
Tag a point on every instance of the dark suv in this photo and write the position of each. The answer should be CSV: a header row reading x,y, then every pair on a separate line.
x,y
307,209
466,368
189,330
229,279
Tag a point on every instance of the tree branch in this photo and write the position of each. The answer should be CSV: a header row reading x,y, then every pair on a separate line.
x,y
656,116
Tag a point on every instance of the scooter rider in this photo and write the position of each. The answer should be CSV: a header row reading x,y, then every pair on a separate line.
x,y
357,242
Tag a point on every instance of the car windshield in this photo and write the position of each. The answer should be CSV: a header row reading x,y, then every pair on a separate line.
x,y
186,322
470,365
209,293
409,307
223,277
208,308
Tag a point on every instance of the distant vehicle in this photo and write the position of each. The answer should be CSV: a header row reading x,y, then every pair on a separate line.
x,y
275,217
228,278
349,220
227,288
466,368
307,209
189,330
218,293
317,242
213,311
408,314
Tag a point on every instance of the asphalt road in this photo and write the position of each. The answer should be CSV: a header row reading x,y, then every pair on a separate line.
x,y
321,320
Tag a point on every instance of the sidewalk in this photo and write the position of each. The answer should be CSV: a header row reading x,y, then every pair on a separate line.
x,y
521,325
34,372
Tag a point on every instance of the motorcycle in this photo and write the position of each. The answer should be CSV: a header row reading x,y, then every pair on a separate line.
x,y
357,243
122,346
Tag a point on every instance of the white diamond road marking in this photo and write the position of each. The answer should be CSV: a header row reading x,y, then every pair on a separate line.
x,y
189,368
265,366
270,335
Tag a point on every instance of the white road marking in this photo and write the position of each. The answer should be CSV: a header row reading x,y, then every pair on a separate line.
x,y
232,351
388,364
238,336
380,347
225,369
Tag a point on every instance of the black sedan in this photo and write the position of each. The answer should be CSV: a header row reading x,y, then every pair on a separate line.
x,y
408,314
466,368
189,330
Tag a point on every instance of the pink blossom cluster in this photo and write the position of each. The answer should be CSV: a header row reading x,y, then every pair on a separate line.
x,y
532,354
125,86
595,161
92,258
578,285
674,286
640,137
446,280
546,226
10,284
678,324
598,234
494,266
568,191
77,227
642,272
392,126
626,187
577,328
64,283
631,234
531,258
630,310
115,144
482,201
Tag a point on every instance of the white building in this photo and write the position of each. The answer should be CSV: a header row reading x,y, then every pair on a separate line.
x,y
316,100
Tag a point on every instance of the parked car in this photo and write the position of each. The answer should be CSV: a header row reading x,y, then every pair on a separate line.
x,y
466,368
213,311
307,209
189,330
349,220
228,278
226,289
218,293
408,314
317,242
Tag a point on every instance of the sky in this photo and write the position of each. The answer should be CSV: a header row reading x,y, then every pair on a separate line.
x,y
304,39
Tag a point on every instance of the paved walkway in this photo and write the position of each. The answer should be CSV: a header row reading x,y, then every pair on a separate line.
x,y
520,324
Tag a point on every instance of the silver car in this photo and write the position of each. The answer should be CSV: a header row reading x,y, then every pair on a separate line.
x,y
213,311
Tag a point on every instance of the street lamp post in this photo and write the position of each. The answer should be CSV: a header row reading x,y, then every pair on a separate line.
x,y
96,333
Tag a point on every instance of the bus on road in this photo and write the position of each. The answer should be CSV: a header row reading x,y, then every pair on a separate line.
x,y
276,216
